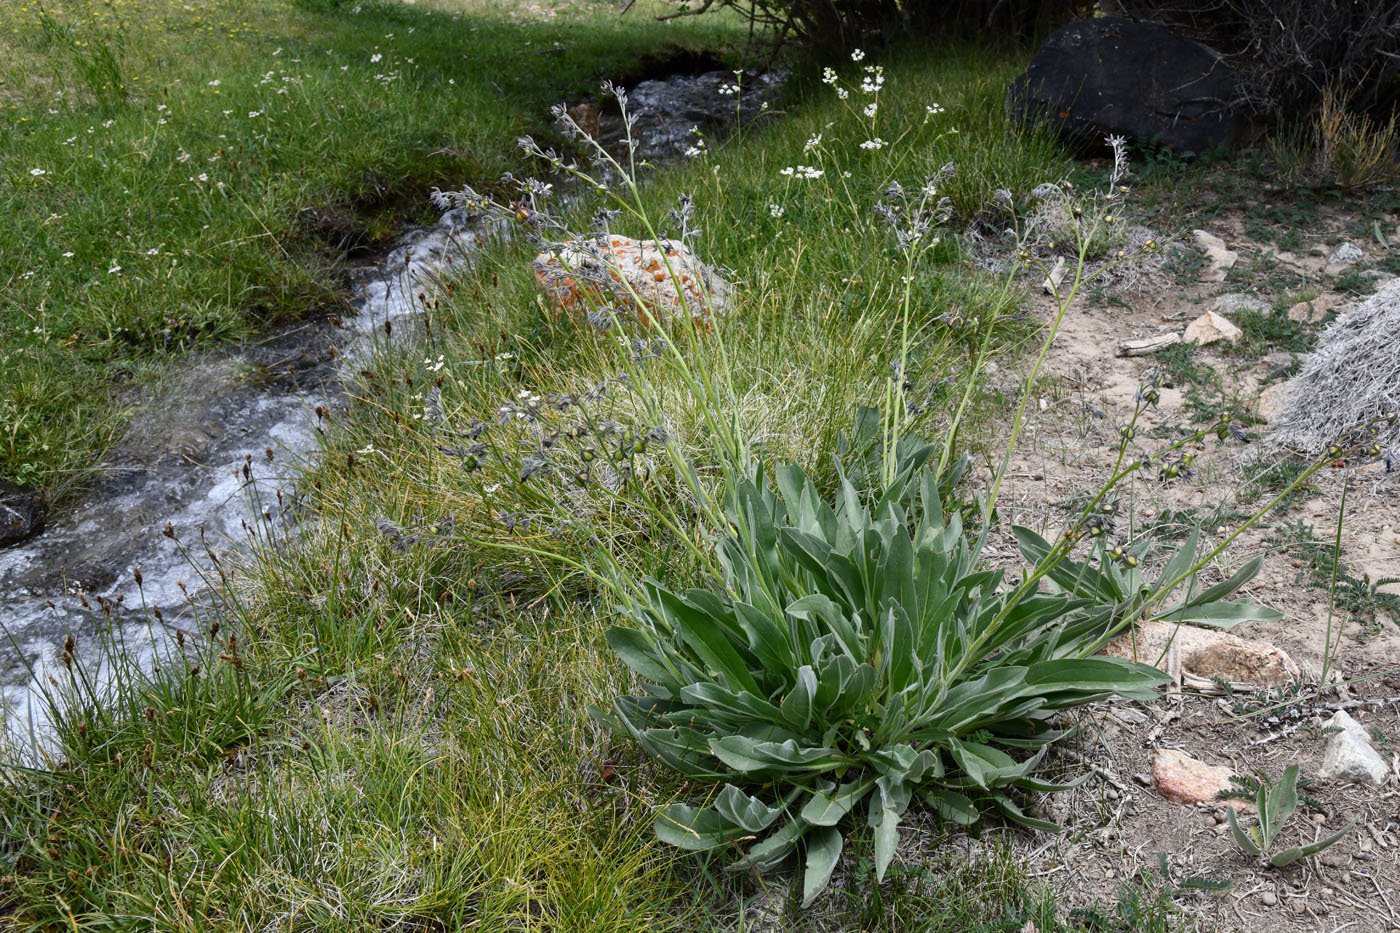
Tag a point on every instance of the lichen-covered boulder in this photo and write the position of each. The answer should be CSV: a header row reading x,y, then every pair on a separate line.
x,y
1113,76
652,281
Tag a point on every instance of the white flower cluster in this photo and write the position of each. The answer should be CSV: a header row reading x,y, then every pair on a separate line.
x,y
775,210
812,143
876,143
802,171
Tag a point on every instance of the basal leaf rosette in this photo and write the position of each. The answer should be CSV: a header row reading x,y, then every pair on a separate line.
x,y
856,658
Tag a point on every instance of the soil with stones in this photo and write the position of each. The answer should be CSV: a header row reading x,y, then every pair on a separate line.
x,y
1117,823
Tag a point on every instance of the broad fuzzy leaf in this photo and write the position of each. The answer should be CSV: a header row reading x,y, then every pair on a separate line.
x,y
1242,839
886,841
694,829
823,851
748,813
827,807
748,755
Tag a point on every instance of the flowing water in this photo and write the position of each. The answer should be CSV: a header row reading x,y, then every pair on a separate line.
x,y
217,453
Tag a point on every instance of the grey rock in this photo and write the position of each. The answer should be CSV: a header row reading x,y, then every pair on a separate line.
x,y
1115,76
1345,254
1350,755
22,514
1236,302
665,110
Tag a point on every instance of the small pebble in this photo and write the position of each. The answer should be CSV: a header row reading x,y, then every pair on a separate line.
x,y
1319,818
1268,899
1221,829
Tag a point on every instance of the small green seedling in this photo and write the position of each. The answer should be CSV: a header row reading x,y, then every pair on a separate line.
x,y
1276,803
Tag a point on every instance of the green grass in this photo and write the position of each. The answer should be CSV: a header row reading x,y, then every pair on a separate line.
x,y
400,735
179,175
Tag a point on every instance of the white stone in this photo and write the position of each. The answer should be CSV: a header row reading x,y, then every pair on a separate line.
x,y
1219,260
1345,254
1211,328
1236,302
1350,755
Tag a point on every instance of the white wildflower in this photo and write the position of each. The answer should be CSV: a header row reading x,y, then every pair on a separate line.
x,y
876,143
857,55
776,210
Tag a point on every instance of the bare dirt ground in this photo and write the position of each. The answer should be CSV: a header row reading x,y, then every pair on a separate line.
x,y
1117,823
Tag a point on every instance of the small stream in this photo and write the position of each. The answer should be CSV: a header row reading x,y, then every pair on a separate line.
x,y
219,450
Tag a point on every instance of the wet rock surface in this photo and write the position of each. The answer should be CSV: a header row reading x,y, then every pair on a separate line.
x,y
671,115
209,461
22,514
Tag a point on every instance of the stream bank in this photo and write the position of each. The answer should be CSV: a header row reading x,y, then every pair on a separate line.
x,y
214,458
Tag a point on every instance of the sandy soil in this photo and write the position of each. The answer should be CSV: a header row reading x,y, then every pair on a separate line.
x,y
1117,823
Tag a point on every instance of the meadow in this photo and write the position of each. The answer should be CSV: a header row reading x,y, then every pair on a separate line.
x,y
405,707
182,175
